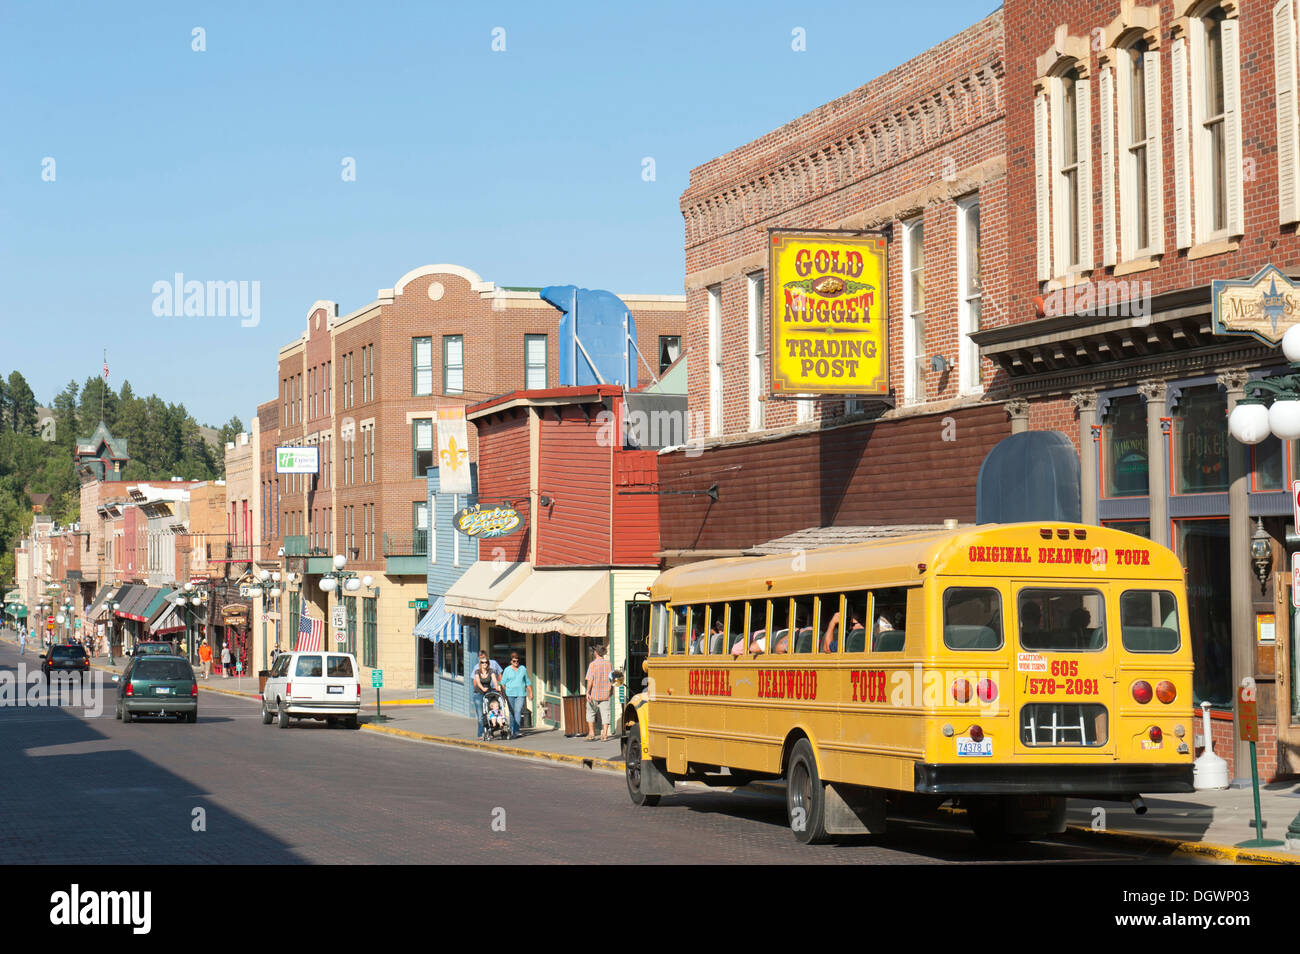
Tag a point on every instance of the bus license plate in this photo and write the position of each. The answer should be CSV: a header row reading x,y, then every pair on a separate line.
x,y
335,688
971,747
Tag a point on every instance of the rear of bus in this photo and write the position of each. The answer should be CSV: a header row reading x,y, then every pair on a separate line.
x,y
1067,671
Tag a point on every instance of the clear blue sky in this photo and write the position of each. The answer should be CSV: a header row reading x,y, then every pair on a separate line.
x,y
225,165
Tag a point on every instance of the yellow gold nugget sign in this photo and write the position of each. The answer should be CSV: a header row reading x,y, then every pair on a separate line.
x,y
828,307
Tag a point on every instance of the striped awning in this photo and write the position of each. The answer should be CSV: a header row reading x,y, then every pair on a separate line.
x,y
101,598
438,624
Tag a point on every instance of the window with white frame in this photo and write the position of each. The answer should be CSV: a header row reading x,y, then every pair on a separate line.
x,y
754,342
1286,75
422,367
914,311
534,362
1206,83
1071,184
453,364
715,360
1063,170
969,294
1137,112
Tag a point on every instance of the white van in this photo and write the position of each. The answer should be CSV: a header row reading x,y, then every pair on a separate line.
x,y
313,685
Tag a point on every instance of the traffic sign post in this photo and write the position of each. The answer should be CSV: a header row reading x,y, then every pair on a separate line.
x,y
1248,720
377,683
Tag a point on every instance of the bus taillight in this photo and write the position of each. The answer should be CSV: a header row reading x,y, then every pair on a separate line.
x,y
976,734
1155,734
961,690
987,690
1165,691
1142,691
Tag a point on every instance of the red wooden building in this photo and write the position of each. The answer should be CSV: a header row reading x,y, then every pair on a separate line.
x,y
565,580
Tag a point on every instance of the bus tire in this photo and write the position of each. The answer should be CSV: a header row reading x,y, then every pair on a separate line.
x,y
805,796
632,765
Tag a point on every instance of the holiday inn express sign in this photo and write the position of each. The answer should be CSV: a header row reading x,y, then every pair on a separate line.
x,y
828,307
1263,307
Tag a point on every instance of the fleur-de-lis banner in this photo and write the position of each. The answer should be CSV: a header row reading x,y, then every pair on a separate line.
x,y
453,451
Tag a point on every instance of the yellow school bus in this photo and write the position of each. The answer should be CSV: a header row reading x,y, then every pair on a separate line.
x,y
1004,667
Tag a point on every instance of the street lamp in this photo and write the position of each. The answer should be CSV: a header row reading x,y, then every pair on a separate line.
x,y
1272,404
340,579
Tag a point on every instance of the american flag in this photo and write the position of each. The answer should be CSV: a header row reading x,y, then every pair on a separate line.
x,y
311,634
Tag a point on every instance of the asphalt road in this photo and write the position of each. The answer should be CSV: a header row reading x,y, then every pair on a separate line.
x,y
231,790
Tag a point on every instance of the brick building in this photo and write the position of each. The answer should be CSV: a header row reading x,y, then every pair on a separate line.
x,y
917,154
363,388
1151,149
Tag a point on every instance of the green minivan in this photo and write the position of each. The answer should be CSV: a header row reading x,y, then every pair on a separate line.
x,y
158,686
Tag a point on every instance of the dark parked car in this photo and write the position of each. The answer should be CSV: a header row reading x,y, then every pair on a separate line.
x,y
158,686
61,658
154,648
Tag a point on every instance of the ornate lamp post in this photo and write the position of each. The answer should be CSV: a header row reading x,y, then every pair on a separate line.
x,y
340,579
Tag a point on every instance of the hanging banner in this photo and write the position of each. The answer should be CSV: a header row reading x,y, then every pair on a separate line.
x,y
453,451
828,305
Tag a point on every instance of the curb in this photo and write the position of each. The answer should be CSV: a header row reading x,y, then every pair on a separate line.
x,y
607,765
1177,846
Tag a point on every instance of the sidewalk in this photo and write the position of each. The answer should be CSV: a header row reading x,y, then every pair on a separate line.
x,y
1208,824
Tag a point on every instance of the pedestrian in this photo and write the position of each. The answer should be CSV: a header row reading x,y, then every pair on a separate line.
x,y
226,661
22,640
598,693
205,657
485,681
518,687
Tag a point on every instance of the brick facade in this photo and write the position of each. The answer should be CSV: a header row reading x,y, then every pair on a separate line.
x,y
365,360
906,145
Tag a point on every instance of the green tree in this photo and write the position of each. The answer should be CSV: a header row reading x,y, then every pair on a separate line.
x,y
89,412
22,404
65,415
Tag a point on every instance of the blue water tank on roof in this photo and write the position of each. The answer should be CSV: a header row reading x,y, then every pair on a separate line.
x,y
597,337
1033,475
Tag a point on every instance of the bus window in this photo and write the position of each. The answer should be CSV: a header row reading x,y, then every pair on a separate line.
x,y
758,630
804,621
659,629
1062,620
679,630
855,609
828,620
711,639
735,629
780,626
972,618
888,633
1148,621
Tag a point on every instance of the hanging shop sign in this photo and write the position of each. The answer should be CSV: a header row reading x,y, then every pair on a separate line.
x,y
1263,307
297,460
828,306
480,521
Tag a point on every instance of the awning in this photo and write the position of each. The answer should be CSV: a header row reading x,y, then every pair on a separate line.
x,y
136,602
166,620
484,585
438,624
98,603
16,610
13,596
573,602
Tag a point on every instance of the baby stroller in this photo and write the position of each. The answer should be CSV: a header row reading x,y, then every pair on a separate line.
x,y
491,730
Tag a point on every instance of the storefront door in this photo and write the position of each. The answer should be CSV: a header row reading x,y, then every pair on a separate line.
x,y
1288,668
1203,550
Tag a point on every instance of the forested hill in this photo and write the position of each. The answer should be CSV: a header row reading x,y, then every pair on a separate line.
x,y
162,440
